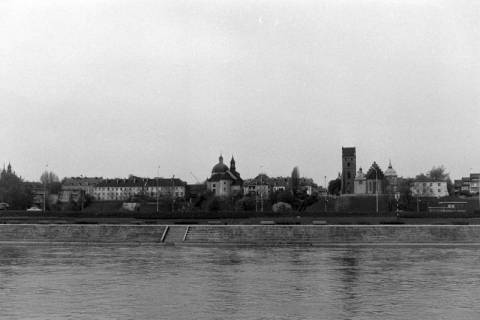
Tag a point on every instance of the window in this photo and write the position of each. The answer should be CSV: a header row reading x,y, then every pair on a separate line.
x,y
348,164
439,190
439,184
349,175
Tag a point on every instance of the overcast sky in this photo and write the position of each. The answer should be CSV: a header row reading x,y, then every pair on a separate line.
x,y
111,88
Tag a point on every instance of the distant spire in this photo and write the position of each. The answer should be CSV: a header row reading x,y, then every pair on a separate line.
x,y
232,164
220,159
390,163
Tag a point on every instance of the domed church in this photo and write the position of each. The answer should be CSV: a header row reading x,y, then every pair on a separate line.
x,y
225,181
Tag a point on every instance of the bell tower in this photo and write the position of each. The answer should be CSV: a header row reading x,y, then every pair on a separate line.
x,y
349,167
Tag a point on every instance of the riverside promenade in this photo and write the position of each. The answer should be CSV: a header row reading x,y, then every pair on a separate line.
x,y
250,235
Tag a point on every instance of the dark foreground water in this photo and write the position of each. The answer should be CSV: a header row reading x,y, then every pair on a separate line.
x,y
149,282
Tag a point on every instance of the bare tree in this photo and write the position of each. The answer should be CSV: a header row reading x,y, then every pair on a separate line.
x,y
51,181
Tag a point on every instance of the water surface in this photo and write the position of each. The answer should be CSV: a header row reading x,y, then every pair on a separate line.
x,y
150,282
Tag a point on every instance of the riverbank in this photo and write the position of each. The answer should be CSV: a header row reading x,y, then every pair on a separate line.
x,y
258,235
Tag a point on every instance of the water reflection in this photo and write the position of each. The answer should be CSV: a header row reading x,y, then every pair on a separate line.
x,y
348,274
148,282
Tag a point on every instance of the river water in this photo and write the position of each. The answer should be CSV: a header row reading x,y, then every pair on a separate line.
x,y
150,282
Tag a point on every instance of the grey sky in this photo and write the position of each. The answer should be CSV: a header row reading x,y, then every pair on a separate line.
x,y
109,88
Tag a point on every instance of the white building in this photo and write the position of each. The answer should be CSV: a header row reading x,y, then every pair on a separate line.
x,y
125,189
429,188
259,186
360,183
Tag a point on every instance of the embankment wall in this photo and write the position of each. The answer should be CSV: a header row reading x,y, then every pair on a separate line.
x,y
242,234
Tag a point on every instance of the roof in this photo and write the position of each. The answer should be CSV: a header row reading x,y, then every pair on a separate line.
x,y
81,181
228,175
375,173
141,182
220,167
475,176
390,172
428,180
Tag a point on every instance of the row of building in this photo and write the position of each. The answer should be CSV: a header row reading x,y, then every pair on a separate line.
x,y
121,189
224,181
467,185
375,181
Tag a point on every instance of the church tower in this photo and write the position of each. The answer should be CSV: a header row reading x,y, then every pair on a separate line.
x,y
349,167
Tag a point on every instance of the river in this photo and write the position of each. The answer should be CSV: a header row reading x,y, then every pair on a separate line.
x,y
151,282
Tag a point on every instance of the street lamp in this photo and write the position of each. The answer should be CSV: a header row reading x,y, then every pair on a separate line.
x,y
45,187
376,187
261,189
156,180
326,192
173,193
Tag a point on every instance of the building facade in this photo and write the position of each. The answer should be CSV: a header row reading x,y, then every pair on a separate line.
x,y
349,167
260,186
375,180
468,185
86,184
391,180
126,189
360,184
429,188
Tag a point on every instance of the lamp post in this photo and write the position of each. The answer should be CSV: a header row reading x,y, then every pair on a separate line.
x,y
261,189
376,187
173,193
156,180
45,187
326,192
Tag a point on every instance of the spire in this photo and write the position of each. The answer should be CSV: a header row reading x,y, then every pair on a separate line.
x,y
220,159
9,168
232,164
389,163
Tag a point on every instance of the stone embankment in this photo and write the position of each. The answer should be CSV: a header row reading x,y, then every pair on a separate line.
x,y
242,234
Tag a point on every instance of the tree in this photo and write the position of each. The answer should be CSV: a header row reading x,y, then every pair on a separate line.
x,y
51,182
283,196
335,186
14,191
405,192
295,180
438,173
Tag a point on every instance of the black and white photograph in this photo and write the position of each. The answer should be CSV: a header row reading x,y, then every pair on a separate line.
x,y
240,159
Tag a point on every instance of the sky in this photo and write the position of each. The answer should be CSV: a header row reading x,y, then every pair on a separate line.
x,y
117,87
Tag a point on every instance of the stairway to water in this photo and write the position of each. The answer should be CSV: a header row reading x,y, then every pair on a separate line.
x,y
175,234
254,235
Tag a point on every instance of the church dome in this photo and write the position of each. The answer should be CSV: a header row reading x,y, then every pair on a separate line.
x,y
390,172
220,167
